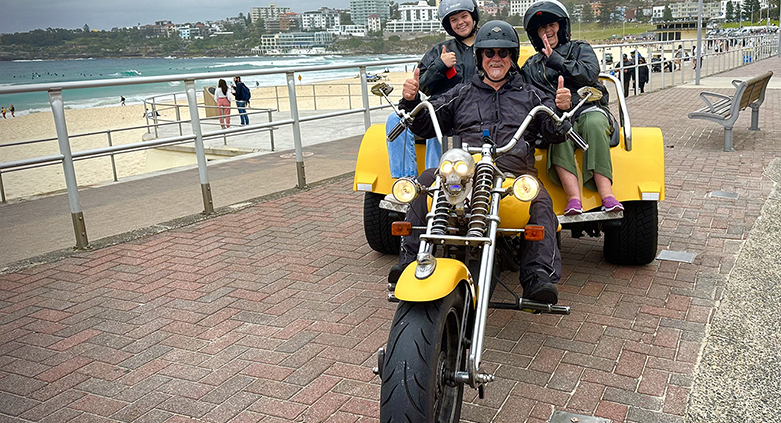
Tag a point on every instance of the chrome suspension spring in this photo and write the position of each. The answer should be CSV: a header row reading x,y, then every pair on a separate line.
x,y
441,213
481,198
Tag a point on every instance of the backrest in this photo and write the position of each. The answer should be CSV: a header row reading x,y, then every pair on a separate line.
x,y
755,90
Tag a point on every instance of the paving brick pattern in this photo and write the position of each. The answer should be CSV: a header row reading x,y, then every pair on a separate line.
x,y
274,313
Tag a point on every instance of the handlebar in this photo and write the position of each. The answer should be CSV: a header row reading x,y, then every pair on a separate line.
x,y
406,120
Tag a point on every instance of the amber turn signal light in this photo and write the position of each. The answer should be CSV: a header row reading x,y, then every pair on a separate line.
x,y
401,228
534,233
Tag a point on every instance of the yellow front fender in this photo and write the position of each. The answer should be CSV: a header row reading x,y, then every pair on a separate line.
x,y
446,277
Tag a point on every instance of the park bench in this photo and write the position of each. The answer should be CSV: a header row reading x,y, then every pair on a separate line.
x,y
724,109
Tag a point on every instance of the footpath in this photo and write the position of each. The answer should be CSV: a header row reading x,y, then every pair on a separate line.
x,y
273,309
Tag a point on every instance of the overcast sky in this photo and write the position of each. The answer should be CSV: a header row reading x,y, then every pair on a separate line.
x,y
26,15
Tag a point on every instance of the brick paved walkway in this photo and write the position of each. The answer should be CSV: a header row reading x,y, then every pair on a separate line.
x,y
274,313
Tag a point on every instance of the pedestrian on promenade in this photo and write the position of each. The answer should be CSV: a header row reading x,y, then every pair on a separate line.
x,y
12,110
222,96
642,75
547,24
242,95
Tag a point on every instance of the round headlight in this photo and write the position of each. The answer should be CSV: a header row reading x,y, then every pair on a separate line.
x,y
405,190
526,187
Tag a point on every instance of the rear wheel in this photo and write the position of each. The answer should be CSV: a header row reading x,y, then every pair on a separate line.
x,y
420,363
634,241
377,225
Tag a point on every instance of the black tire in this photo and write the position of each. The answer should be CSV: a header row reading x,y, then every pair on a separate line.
x,y
377,225
634,242
422,349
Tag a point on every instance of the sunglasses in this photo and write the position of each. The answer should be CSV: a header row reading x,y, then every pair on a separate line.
x,y
502,52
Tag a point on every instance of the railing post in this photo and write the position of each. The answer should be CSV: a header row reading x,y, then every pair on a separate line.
x,y
113,162
349,97
2,189
291,91
58,112
314,96
367,119
178,115
154,116
271,129
195,120
276,95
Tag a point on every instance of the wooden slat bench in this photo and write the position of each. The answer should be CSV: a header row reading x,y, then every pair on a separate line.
x,y
724,109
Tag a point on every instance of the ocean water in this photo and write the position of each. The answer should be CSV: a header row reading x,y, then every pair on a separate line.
x,y
56,71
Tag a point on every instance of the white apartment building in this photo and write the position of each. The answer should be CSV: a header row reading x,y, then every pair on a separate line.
x,y
285,42
348,30
322,18
361,9
373,23
416,18
267,13
518,7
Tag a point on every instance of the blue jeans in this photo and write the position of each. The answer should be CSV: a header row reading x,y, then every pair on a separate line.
x,y
401,151
242,111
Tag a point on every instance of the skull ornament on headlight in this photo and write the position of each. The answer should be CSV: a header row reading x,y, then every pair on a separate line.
x,y
456,169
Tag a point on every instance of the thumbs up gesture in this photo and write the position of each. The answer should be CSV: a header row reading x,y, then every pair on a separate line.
x,y
411,86
448,58
563,96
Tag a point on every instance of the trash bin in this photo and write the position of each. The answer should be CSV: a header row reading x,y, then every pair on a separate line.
x,y
208,100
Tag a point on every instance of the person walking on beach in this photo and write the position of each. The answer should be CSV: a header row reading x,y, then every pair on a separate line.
x,y
12,110
122,100
242,95
222,96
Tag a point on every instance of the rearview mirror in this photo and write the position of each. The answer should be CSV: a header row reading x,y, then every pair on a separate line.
x,y
382,89
592,93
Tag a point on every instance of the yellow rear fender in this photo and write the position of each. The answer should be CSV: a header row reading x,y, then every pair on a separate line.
x,y
446,277
372,170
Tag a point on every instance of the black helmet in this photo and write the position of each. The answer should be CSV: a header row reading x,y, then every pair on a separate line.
x,y
449,7
496,34
541,13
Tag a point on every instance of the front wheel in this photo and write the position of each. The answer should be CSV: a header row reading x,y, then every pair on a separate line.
x,y
634,241
421,360
377,225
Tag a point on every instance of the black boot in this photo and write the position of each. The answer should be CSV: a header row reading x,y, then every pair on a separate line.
x,y
405,258
538,287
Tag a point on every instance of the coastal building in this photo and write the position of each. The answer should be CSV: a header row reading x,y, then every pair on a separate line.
x,y
518,7
267,13
320,19
286,43
289,22
687,9
361,9
373,23
418,17
348,30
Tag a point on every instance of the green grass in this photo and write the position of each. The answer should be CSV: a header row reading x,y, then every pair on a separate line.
x,y
594,33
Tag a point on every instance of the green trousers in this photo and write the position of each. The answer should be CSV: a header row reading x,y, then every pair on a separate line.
x,y
595,129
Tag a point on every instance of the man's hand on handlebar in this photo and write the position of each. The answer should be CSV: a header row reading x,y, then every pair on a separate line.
x,y
563,95
411,86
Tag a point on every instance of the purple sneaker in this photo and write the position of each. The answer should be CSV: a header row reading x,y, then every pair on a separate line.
x,y
574,207
610,204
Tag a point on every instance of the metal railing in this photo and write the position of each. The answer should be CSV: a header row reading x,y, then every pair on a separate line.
x,y
739,51
670,59
67,157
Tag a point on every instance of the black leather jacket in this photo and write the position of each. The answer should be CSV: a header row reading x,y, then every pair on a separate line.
x,y
433,80
471,107
575,61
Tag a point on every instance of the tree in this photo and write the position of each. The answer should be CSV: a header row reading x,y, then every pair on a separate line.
x,y
667,16
515,20
730,12
86,28
606,12
587,14
751,9
345,19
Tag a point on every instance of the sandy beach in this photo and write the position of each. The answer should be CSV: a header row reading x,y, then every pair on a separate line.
x,y
331,95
